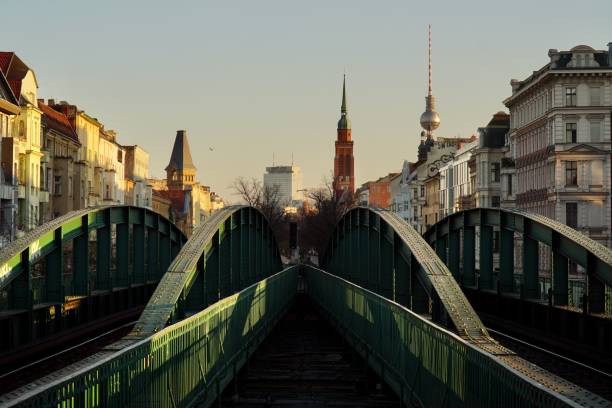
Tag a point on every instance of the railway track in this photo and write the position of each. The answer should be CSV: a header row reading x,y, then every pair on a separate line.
x,y
590,378
29,371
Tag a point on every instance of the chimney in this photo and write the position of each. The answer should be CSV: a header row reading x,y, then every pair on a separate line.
x,y
554,57
40,100
51,102
63,103
515,83
610,54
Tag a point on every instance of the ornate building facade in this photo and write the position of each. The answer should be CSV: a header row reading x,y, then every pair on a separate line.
x,y
559,140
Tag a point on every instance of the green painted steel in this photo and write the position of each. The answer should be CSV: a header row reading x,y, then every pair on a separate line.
x,y
566,245
429,366
234,246
51,265
186,364
401,267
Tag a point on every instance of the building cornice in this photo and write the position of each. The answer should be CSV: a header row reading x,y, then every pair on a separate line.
x,y
509,101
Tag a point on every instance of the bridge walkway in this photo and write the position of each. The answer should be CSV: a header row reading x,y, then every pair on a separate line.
x,y
306,362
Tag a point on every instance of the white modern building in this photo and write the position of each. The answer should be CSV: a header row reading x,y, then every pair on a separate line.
x,y
288,181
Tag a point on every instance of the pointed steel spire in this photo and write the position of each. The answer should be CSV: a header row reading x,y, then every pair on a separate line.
x,y
343,107
344,122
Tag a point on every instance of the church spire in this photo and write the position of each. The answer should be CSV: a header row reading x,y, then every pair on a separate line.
x,y
344,122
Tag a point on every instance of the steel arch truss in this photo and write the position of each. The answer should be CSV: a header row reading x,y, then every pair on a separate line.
x,y
132,247
233,249
566,245
379,251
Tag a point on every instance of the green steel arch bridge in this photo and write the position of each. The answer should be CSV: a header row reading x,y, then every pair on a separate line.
x,y
389,318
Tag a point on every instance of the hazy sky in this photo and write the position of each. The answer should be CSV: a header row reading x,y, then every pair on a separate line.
x,y
249,78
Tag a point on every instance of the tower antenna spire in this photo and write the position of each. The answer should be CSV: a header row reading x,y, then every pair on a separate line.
x,y
429,55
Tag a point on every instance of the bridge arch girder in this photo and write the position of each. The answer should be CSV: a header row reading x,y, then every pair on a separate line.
x,y
565,244
376,249
231,250
52,266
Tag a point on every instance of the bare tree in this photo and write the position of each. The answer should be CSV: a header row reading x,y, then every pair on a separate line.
x,y
316,224
267,200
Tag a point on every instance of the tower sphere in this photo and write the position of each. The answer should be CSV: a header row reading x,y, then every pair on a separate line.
x,y
430,120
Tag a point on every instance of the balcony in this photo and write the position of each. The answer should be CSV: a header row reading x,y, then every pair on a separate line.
x,y
43,196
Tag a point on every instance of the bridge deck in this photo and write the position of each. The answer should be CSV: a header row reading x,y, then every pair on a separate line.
x,y
305,362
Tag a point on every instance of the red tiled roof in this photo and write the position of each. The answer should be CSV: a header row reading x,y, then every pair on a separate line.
x,y
58,122
5,61
15,87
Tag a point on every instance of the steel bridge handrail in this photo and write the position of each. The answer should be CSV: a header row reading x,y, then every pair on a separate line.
x,y
425,363
182,273
187,363
32,246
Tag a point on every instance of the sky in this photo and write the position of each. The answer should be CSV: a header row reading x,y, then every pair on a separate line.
x,y
256,79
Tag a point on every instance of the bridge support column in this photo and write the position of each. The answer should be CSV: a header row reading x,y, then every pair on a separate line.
x,y
235,254
103,256
374,254
20,297
469,256
596,290
80,260
225,259
152,254
55,270
454,257
419,299
559,279
138,254
441,246
531,263
485,280
506,261
123,257
386,263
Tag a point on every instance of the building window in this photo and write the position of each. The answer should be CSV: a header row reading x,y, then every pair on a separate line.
x,y
570,96
509,184
495,171
571,173
57,185
571,132
571,214
495,201
595,130
595,96
422,191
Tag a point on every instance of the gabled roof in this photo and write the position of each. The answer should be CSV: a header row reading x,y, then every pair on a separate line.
x,y
181,153
14,69
58,121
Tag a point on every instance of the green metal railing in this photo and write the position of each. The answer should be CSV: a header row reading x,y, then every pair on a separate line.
x,y
423,363
185,364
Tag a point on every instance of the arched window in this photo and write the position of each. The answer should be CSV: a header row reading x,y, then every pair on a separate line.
x,y
21,129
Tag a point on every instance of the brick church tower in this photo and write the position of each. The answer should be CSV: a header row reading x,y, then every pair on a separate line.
x,y
344,163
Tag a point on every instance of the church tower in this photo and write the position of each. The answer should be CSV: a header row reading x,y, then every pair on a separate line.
x,y
180,172
344,163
